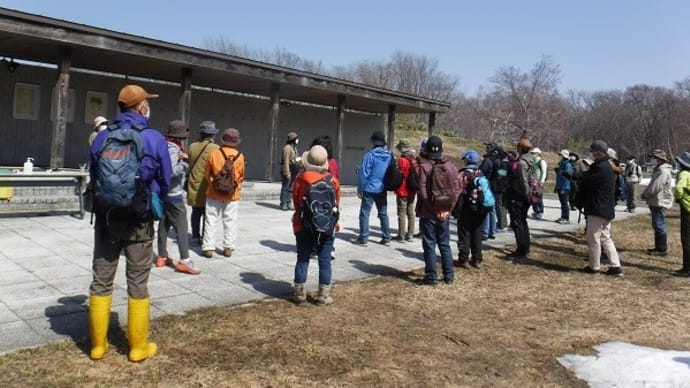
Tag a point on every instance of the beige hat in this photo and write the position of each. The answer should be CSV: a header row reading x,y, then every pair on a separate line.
x,y
404,146
231,137
660,154
292,136
565,153
98,121
316,159
535,150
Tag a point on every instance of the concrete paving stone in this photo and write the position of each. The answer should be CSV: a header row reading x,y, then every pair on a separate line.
x,y
7,315
27,291
33,264
18,335
196,283
75,285
73,326
67,270
165,288
45,307
231,294
26,251
17,276
179,304
11,270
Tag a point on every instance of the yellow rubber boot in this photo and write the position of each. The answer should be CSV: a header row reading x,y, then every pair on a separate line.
x,y
138,330
99,319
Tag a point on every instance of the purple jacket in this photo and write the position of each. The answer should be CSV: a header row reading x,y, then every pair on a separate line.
x,y
155,169
425,208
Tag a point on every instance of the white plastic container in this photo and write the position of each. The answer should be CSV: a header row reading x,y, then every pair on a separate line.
x,y
29,166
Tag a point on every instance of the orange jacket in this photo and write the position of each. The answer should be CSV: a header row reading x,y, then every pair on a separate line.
x,y
302,182
215,163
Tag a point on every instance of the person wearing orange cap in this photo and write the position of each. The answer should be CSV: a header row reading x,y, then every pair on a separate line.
x,y
131,230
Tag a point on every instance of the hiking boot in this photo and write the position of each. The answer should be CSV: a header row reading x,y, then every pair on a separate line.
x,y
385,242
284,207
400,238
448,281
324,297
207,254
227,252
590,271
408,237
492,237
563,221
299,297
615,271
362,242
186,266
427,282
195,241
462,263
658,253
476,262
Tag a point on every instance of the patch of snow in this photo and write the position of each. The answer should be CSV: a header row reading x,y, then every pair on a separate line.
x,y
621,364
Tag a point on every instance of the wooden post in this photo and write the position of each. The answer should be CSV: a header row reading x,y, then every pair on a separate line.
x,y
272,133
185,105
340,122
57,149
391,125
432,122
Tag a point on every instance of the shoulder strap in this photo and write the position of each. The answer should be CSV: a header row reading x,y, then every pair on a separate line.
x,y
197,157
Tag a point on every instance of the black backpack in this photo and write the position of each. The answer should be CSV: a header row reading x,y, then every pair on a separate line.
x,y
393,178
501,179
320,211
471,193
412,180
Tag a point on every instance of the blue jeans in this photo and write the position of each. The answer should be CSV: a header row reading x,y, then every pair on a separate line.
x,y
564,198
435,232
489,223
381,201
659,225
306,244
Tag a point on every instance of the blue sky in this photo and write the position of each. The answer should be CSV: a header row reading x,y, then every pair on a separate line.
x,y
597,44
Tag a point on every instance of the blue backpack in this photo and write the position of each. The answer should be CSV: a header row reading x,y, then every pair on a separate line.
x,y
118,185
320,211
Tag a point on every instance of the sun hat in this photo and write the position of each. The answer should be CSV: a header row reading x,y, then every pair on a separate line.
x,y
404,146
316,159
292,136
535,150
524,144
378,138
611,153
434,147
565,153
684,159
177,129
660,154
208,128
131,95
471,157
231,137
98,121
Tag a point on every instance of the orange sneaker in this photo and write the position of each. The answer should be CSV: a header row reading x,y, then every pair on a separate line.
x,y
162,261
186,266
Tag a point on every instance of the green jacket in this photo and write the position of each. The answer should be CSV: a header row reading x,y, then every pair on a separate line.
x,y
682,191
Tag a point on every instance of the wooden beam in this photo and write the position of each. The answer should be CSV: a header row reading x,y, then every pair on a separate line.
x,y
340,123
391,125
186,96
272,132
432,123
57,149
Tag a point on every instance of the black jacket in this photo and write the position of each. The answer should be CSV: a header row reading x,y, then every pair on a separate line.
x,y
597,191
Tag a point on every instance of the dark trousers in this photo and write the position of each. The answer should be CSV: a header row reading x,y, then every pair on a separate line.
x,y
564,198
435,232
685,237
470,230
501,212
630,201
286,190
197,213
175,218
659,225
110,238
518,208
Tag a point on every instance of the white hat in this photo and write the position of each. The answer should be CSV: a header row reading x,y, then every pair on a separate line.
x,y
98,121
535,150
565,153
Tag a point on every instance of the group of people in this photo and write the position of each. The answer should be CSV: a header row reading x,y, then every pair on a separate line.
x,y
480,194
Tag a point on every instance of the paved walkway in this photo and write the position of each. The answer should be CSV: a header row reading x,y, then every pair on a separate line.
x,y
46,266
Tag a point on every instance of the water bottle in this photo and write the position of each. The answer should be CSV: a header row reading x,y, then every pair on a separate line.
x,y
29,165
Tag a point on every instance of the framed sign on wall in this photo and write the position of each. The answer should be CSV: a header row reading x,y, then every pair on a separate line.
x,y
27,101
96,105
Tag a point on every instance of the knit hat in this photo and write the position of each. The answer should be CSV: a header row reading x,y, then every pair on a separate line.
x,y
177,129
434,147
316,159
131,95
231,137
404,146
208,128
378,138
471,157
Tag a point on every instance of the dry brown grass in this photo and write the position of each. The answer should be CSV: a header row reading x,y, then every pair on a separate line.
x,y
501,326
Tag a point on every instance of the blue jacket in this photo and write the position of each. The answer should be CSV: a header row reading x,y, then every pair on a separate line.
x,y
156,168
372,170
483,183
564,166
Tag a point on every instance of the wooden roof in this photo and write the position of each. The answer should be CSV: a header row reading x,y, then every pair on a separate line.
x,y
38,38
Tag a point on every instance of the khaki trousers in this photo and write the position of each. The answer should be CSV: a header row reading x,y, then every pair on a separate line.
x,y
599,237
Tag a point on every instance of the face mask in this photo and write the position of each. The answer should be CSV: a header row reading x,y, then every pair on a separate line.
x,y
296,141
102,127
148,114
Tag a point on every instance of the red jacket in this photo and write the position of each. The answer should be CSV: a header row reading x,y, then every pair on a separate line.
x,y
302,182
405,163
